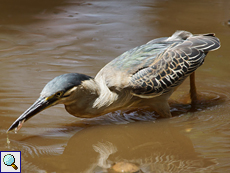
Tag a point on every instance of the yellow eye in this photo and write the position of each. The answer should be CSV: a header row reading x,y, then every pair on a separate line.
x,y
58,94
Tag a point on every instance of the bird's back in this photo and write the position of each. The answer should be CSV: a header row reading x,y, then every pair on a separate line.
x,y
158,66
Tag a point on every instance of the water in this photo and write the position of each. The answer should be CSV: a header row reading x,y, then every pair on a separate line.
x,y
43,39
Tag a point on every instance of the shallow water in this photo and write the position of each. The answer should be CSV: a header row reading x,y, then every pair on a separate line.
x,y
43,39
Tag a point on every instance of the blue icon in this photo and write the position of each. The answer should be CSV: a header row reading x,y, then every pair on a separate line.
x,y
9,160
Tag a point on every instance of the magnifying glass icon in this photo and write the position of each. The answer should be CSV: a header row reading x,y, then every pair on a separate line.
x,y
9,160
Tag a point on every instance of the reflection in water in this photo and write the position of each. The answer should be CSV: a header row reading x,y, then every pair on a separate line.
x,y
105,150
157,155
161,148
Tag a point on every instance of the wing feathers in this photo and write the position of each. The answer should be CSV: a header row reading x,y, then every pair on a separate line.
x,y
173,65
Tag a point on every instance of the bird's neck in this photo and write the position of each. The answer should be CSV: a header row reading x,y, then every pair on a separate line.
x,y
94,99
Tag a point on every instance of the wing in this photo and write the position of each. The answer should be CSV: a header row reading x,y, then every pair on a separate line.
x,y
173,65
116,74
158,66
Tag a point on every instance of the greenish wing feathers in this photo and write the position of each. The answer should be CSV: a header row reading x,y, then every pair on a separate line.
x,y
137,58
172,66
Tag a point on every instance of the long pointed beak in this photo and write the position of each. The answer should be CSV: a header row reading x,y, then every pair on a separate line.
x,y
39,105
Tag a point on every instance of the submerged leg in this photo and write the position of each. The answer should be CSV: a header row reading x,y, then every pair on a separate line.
x,y
193,93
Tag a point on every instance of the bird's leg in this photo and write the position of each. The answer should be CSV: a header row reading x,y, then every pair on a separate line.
x,y
193,93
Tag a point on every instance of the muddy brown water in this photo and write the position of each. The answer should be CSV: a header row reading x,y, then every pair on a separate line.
x,y
43,39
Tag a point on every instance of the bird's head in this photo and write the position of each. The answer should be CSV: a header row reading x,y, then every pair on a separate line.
x,y
59,90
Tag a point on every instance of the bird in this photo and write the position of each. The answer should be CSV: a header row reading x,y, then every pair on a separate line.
x,y
144,76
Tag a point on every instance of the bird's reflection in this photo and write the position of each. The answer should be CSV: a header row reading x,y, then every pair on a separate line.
x,y
157,146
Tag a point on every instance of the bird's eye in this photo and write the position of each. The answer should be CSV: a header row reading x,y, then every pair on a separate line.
x,y
58,94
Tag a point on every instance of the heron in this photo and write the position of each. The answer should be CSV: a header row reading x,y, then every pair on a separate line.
x,y
144,76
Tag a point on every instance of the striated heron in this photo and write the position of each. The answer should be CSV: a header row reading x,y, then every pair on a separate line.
x,y
144,76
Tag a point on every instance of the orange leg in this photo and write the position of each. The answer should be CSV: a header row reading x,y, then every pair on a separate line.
x,y
193,93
